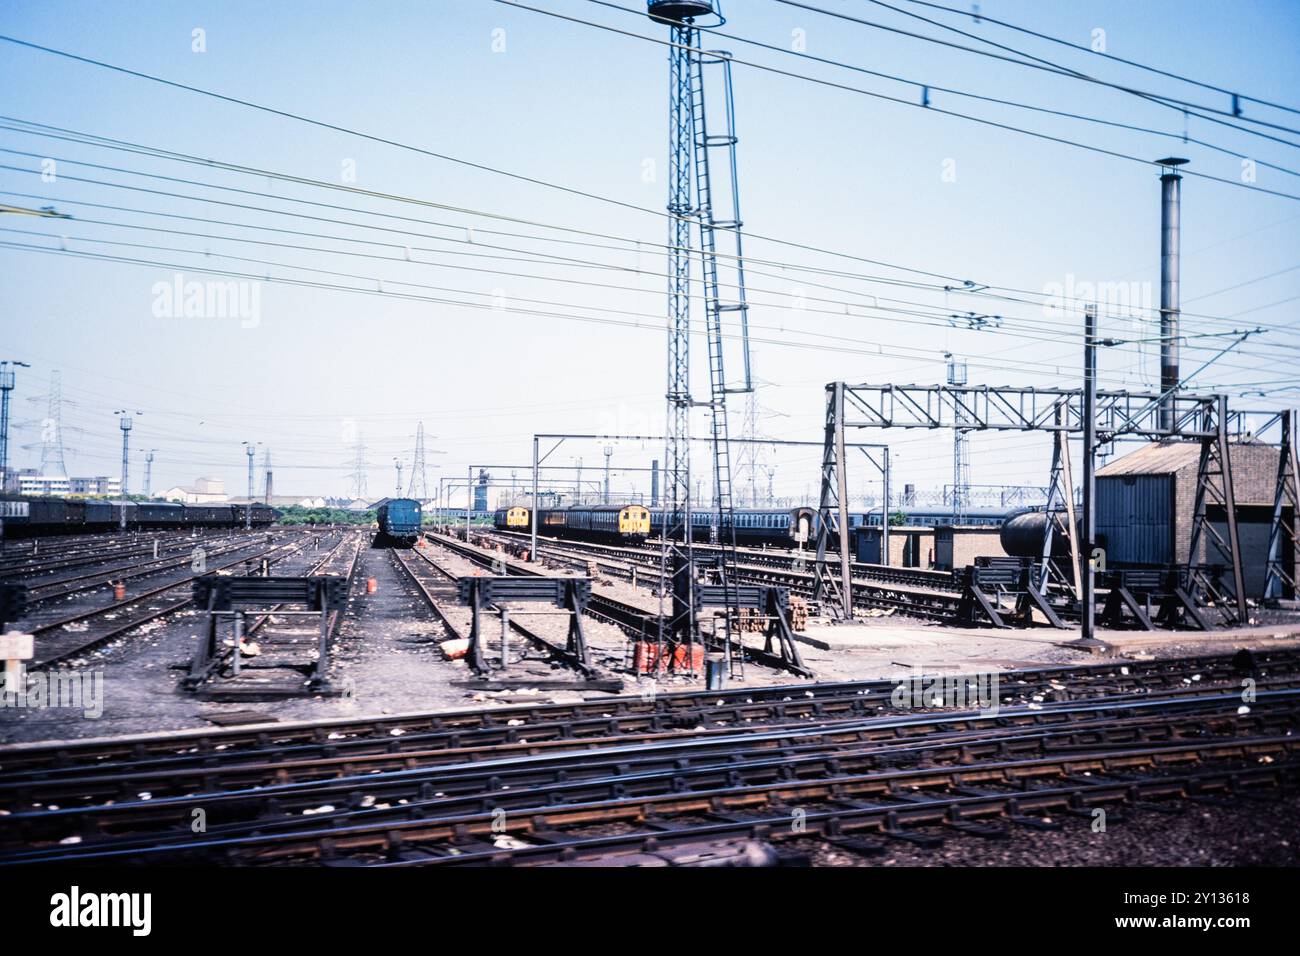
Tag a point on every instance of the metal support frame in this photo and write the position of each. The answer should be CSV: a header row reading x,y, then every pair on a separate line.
x,y
983,583
676,561
233,597
1283,540
1120,414
833,512
1116,415
1085,579
1134,589
1214,486
774,604
571,594
832,595
1060,496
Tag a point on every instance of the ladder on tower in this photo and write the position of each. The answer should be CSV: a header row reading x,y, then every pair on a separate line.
x,y
713,226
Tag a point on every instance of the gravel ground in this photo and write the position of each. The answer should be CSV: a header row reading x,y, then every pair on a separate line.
x,y
1258,831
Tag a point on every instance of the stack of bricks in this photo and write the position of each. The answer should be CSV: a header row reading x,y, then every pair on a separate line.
x,y
798,613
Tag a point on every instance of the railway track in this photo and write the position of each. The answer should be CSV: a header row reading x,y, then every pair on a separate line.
x,y
27,563
109,575
273,791
885,775
95,549
754,559
278,654
437,585
67,637
930,594
567,723
304,779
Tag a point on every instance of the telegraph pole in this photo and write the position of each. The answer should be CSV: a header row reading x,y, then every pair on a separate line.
x,y
609,450
125,423
532,512
250,449
148,471
1087,592
398,463
7,381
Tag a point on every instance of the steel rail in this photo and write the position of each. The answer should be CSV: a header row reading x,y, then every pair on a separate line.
x,y
163,778
554,650
906,795
614,715
80,647
580,776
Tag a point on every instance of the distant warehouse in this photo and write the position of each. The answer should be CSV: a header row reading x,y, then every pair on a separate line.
x,y
1146,499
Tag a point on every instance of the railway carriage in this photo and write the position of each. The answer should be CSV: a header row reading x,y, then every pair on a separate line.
x,y
99,516
208,516
778,527
622,524
34,517
262,515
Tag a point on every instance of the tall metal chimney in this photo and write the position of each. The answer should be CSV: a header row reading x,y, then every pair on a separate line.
x,y
654,483
1170,199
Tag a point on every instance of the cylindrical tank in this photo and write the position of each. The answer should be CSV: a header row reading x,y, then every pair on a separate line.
x,y
1022,534
677,10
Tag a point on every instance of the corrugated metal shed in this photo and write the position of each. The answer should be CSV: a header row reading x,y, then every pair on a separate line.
x,y
1135,518
1145,502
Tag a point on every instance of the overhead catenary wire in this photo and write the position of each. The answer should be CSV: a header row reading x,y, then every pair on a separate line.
x,y
1037,63
935,312
656,326
985,18
964,289
1047,137
929,87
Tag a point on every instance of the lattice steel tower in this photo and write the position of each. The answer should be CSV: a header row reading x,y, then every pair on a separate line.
x,y
694,199
419,485
52,430
360,466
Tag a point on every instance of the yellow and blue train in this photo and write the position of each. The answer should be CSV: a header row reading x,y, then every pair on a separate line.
x,y
783,527
627,524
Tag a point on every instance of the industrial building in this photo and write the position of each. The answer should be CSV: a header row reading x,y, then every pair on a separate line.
x,y
204,490
1146,501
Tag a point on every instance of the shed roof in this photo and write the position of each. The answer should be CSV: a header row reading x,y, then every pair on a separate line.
x,y
1157,458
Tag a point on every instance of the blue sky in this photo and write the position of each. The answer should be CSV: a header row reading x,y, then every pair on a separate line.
x,y
572,105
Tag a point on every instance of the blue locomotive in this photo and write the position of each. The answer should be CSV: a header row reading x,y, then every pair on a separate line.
x,y
399,522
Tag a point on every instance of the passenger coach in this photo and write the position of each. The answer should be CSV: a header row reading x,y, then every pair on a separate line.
x,y
623,524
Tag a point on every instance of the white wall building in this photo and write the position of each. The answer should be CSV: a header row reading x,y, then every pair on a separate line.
x,y
204,491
